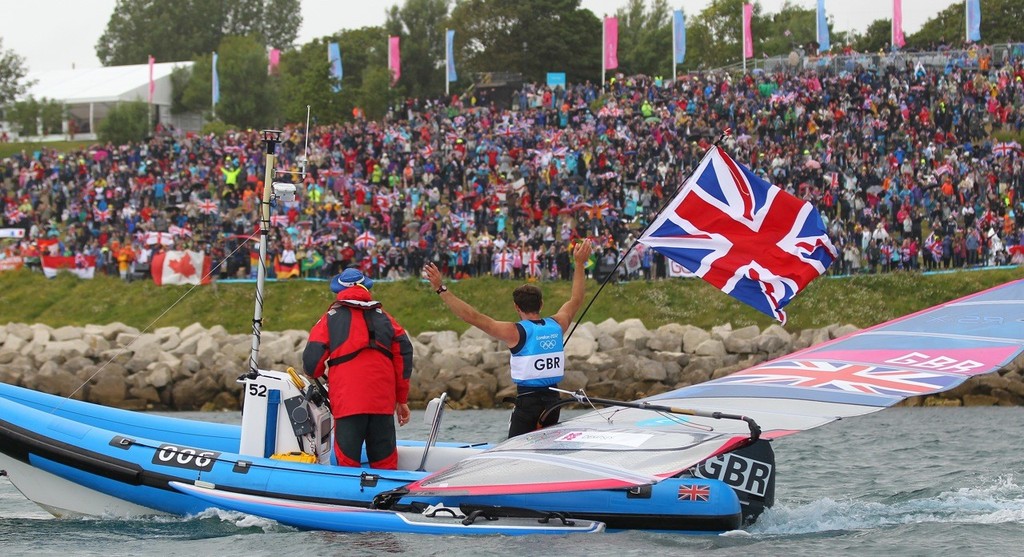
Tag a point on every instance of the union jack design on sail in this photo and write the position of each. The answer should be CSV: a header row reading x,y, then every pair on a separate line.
x,y
748,238
843,376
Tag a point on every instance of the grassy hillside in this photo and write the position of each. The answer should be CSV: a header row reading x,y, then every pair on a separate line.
x,y
27,297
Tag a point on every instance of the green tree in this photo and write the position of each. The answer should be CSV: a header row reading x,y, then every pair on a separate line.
x,y
247,96
305,76
645,38
126,122
421,25
532,37
37,117
375,94
789,29
875,38
12,75
1000,22
184,29
720,25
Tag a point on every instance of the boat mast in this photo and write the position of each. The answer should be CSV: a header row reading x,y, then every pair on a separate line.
x,y
271,138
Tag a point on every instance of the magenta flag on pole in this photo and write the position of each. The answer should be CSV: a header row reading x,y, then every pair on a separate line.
x,y
748,38
897,24
275,59
611,43
394,59
152,84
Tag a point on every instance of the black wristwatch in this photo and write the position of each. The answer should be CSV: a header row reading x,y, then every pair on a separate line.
x,y
442,289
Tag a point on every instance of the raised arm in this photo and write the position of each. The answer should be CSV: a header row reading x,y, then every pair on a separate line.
x,y
566,313
502,330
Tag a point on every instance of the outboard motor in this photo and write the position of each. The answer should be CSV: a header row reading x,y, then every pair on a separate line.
x,y
285,416
750,471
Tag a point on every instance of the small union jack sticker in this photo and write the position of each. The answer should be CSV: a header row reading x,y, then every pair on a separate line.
x,y
689,492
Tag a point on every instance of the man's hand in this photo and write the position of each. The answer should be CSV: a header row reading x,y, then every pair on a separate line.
x,y
402,413
433,274
581,252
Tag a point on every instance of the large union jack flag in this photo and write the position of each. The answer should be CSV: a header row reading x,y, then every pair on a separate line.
x,y
842,376
690,492
748,238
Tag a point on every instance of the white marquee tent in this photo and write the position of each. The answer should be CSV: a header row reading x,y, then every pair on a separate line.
x,y
89,93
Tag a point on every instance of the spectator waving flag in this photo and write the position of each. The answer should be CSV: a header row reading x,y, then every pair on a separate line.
x,y
748,238
366,240
1005,148
208,207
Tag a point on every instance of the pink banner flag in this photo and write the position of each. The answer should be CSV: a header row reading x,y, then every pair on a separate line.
x,y
152,84
275,59
897,24
394,59
611,43
748,38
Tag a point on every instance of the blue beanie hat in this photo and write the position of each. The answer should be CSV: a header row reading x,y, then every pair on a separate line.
x,y
349,278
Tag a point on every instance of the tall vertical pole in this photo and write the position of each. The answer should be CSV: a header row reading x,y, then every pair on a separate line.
x,y
604,45
743,42
967,21
675,47
271,138
447,84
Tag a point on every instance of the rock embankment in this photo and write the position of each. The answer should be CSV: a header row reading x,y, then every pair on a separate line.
x,y
196,368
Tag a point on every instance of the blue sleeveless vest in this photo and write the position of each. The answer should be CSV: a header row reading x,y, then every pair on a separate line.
x,y
539,360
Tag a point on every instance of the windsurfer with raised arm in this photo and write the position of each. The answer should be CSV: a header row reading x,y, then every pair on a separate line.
x,y
537,359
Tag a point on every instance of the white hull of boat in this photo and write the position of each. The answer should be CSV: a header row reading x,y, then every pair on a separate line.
x,y
63,498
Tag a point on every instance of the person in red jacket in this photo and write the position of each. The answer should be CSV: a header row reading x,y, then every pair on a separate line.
x,y
367,356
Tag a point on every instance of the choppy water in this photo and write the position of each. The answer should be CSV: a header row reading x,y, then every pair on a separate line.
x,y
922,481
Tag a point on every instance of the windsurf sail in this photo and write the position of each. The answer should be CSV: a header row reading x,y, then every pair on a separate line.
x,y
923,353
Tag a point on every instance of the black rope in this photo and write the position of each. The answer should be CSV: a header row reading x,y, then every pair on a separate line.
x,y
664,205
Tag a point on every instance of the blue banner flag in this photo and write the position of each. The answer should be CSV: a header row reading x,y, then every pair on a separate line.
x,y
974,20
823,40
334,57
216,82
679,36
449,48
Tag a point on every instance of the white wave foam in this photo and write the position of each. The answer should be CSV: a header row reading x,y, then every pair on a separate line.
x,y
243,520
998,501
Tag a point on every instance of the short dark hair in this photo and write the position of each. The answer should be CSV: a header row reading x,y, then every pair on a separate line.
x,y
528,298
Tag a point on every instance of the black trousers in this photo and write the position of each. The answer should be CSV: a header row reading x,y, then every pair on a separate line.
x,y
529,407
376,430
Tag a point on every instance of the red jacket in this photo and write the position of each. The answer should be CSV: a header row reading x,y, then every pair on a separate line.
x,y
364,377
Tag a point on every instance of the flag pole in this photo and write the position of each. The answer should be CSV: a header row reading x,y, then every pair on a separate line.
x,y
675,47
446,62
743,42
604,45
668,199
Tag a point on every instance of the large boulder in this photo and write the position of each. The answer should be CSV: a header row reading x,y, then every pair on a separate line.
x,y
109,390
444,340
582,345
693,337
667,338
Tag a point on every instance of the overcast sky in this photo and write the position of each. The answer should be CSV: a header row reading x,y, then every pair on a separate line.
x,y
56,34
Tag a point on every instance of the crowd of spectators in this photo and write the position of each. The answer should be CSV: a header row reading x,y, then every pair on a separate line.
x,y
901,161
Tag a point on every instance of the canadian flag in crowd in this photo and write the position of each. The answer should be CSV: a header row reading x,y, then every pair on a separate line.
x,y
180,267
82,265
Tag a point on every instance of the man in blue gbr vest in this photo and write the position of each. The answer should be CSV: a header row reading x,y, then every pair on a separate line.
x,y
537,358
